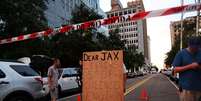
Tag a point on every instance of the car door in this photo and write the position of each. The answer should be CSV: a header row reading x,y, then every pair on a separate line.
x,y
73,77
66,80
4,84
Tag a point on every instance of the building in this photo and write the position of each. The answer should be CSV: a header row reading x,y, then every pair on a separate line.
x,y
134,32
58,12
149,50
175,27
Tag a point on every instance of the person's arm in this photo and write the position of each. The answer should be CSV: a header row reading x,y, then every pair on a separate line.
x,y
179,69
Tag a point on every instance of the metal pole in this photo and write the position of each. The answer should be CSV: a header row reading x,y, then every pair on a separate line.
x,y
197,21
181,34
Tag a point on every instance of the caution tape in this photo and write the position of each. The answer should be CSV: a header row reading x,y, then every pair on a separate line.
x,y
103,22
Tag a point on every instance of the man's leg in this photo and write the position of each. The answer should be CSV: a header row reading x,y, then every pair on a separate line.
x,y
187,95
54,94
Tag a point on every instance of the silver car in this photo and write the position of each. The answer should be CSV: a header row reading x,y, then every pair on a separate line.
x,y
19,82
67,81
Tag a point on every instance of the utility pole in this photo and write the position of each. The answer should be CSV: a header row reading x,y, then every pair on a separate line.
x,y
181,34
198,20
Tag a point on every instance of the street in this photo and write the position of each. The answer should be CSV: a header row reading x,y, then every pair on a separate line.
x,y
153,87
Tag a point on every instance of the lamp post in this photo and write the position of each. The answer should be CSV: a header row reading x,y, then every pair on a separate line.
x,y
197,20
181,34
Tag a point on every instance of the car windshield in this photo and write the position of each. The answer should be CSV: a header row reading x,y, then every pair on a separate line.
x,y
24,70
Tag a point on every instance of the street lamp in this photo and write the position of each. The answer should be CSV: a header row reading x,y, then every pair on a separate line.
x,y
198,18
181,34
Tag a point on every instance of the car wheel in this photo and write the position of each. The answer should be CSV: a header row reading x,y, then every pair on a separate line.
x,y
59,92
19,98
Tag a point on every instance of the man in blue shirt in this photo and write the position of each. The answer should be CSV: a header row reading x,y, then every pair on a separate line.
x,y
188,64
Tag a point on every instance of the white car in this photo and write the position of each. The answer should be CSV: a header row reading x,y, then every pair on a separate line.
x,y
67,80
19,82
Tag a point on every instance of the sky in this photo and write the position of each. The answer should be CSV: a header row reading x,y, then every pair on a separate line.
x,y
158,28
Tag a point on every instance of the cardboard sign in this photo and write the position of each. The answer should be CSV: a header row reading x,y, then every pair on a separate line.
x,y
103,76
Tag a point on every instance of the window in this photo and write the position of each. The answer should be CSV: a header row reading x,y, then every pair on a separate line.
x,y
2,75
120,13
129,11
134,10
112,15
24,70
125,12
116,14
108,16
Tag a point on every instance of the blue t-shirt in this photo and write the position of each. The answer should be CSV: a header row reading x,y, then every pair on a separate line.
x,y
190,79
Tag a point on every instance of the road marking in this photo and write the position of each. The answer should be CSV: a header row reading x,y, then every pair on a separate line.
x,y
130,89
173,83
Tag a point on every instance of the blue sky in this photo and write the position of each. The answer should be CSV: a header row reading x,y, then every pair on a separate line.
x,y
158,28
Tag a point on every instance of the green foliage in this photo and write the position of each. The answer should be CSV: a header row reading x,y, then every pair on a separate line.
x,y
21,17
68,47
189,30
133,60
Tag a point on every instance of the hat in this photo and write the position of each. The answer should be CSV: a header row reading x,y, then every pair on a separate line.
x,y
194,42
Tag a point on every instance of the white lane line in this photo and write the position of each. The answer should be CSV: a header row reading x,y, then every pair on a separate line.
x,y
138,84
128,90
173,83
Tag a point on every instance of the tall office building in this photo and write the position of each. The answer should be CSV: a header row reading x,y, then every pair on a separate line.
x,y
135,32
175,27
59,11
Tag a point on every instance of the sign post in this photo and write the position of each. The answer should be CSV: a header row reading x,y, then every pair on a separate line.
x,y
103,76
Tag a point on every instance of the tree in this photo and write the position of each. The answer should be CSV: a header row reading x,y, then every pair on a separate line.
x,y
71,45
133,59
19,17
189,30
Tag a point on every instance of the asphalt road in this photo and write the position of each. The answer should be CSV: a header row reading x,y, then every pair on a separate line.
x,y
157,88
154,87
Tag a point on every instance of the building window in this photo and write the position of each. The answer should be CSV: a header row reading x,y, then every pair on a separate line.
x,y
125,12
116,14
134,10
120,13
112,15
129,11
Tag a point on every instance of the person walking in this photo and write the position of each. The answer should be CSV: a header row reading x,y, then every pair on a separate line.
x,y
187,63
53,76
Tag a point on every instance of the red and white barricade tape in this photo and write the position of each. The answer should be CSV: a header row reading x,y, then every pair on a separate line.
x,y
107,21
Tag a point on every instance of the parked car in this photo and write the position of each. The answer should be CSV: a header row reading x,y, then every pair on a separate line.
x,y
19,82
145,72
167,72
139,73
67,81
131,74
153,71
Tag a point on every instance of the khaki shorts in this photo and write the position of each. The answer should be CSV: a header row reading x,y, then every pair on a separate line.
x,y
54,93
187,95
